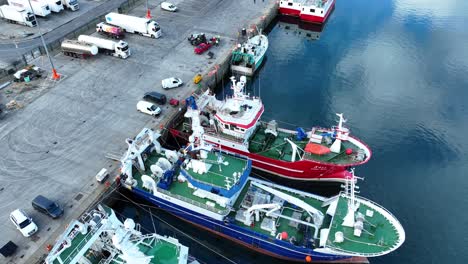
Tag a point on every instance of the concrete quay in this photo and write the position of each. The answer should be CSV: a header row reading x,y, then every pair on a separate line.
x,y
57,143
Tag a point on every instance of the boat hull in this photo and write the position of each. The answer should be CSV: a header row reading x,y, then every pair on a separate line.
x,y
247,71
317,19
296,12
289,11
243,236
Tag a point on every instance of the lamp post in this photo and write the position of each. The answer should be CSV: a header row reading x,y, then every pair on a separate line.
x,y
55,75
148,12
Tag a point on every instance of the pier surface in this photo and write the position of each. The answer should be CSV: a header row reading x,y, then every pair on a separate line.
x,y
57,143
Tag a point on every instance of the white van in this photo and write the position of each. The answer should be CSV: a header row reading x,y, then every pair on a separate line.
x,y
23,222
148,108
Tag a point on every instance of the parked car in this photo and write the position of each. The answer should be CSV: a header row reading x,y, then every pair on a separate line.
x,y
148,108
155,97
47,207
23,222
168,6
202,48
171,83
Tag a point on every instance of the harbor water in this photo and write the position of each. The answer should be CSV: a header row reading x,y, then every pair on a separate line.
x,y
398,70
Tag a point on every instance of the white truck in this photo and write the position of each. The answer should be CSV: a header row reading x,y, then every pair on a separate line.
x,y
39,7
117,49
71,4
78,49
54,5
132,24
13,15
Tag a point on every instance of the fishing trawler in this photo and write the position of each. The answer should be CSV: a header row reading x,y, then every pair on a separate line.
x,y
248,57
100,237
321,154
212,190
315,11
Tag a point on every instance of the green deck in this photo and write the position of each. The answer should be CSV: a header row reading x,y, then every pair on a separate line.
x,y
218,173
213,176
282,150
384,236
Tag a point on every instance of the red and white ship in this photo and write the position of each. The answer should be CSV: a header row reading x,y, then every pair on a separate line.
x,y
315,11
234,125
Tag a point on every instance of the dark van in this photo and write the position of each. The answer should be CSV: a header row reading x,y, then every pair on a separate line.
x,y
155,97
46,206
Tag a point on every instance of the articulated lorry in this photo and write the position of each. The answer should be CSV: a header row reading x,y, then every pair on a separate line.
x,y
132,24
54,5
13,15
74,48
117,49
39,7
110,30
71,4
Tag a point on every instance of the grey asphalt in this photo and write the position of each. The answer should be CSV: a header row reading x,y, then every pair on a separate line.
x,y
54,27
57,144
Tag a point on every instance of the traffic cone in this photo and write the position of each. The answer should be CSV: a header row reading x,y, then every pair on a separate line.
x,y
148,14
55,75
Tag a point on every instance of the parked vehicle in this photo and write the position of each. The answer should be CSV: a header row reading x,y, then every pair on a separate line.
x,y
132,24
197,39
174,102
148,108
168,6
39,7
155,97
21,16
28,73
197,78
55,5
77,49
117,49
47,207
171,83
110,30
71,4
23,222
202,48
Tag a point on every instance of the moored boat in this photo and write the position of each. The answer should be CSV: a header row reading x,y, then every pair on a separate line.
x,y
212,190
321,154
315,11
100,237
248,57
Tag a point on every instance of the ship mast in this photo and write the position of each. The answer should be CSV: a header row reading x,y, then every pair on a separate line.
x,y
350,189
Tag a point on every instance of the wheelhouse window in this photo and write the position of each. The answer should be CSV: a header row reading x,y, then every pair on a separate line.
x,y
290,4
312,10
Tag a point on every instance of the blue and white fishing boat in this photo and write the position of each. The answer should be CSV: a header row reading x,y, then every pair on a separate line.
x,y
248,57
212,190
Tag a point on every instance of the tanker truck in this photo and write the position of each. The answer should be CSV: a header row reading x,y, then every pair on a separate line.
x,y
71,4
54,5
39,7
74,48
110,30
132,24
117,49
13,15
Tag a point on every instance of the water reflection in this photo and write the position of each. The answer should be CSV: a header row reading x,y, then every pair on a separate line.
x,y
309,31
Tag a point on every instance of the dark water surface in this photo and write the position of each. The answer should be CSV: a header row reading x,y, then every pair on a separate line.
x,y
398,70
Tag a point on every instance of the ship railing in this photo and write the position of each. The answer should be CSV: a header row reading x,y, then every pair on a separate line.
x,y
228,138
82,243
190,201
